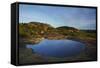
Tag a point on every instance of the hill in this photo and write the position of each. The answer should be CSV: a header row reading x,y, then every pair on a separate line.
x,y
33,31
65,30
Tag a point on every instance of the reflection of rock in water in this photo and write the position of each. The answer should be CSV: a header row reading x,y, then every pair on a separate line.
x,y
33,51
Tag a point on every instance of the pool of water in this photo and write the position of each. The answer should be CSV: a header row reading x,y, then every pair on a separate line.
x,y
57,48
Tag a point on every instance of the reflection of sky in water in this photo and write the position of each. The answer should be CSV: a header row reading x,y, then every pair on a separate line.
x,y
58,48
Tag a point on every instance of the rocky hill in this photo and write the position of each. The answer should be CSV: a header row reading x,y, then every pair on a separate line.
x,y
65,30
37,30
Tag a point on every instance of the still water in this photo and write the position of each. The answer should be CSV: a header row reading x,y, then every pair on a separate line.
x,y
57,48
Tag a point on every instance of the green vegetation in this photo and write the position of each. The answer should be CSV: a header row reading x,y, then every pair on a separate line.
x,y
34,29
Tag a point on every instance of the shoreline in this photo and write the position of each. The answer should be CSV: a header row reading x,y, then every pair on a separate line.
x,y
89,54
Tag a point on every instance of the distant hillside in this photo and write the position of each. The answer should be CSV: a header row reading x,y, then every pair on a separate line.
x,y
65,30
66,27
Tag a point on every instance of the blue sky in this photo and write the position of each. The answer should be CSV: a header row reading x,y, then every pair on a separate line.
x,y
81,18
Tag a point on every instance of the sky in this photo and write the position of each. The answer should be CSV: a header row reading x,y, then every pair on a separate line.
x,y
81,18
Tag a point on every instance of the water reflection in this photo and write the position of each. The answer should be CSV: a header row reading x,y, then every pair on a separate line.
x,y
57,48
